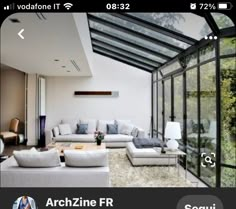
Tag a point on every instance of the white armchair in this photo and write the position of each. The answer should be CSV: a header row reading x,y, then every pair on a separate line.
x,y
1,146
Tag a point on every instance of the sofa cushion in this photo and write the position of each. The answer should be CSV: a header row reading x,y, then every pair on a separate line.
x,y
95,158
72,121
65,129
92,123
117,138
35,159
82,129
120,123
112,129
75,138
55,131
134,132
126,129
102,125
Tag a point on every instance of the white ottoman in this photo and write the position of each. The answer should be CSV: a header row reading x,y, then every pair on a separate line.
x,y
148,156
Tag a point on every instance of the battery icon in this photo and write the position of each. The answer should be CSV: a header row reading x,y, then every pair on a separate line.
x,y
224,6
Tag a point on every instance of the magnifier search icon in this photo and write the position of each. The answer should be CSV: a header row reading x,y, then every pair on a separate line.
x,y
208,160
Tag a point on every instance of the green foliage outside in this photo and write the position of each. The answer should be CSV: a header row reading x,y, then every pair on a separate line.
x,y
228,112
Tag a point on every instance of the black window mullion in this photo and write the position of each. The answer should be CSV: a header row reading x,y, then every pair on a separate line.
x,y
157,102
218,113
199,114
172,99
152,105
212,24
185,118
163,109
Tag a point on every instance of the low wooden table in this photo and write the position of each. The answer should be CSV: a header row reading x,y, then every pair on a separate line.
x,y
61,146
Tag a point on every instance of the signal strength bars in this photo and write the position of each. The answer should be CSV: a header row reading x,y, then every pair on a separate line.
x,y
9,7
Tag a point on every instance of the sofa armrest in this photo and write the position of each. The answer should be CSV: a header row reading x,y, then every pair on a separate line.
x,y
49,136
138,132
141,133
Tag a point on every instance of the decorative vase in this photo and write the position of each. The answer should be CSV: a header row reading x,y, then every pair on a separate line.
x,y
42,139
99,142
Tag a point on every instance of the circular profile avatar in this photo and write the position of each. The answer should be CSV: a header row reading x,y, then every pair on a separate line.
x,y
24,202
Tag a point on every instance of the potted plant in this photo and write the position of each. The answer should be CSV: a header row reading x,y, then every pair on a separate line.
x,y
99,136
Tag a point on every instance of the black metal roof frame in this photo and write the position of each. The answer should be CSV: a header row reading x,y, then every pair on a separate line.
x,y
148,64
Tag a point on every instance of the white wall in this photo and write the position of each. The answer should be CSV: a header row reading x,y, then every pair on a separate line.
x,y
134,101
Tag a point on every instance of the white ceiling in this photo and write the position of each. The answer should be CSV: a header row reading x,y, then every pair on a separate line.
x,y
57,37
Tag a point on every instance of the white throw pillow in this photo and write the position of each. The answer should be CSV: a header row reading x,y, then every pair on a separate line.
x,y
134,132
126,129
91,125
55,131
102,125
65,129
72,122
35,159
93,158
120,123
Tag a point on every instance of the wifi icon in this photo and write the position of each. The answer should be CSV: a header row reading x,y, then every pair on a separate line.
x,y
67,5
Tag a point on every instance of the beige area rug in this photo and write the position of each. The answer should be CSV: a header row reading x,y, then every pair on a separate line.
x,y
123,174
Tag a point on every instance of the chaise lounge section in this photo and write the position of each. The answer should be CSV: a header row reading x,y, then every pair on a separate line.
x,y
147,156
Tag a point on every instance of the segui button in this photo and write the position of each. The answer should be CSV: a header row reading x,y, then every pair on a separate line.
x,y
200,202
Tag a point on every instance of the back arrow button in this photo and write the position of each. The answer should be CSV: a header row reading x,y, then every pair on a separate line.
x,y
20,34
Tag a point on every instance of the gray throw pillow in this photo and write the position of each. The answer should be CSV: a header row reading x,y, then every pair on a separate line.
x,y
82,129
112,129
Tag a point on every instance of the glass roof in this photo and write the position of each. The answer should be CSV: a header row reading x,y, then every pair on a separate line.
x,y
132,39
126,47
142,30
149,40
124,52
222,20
188,24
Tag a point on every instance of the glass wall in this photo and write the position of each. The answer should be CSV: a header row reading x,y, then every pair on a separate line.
x,y
167,99
160,108
192,119
228,112
154,107
193,103
178,104
154,104
208,119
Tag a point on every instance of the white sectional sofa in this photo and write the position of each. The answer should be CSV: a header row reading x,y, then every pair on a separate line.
x,y
125,133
